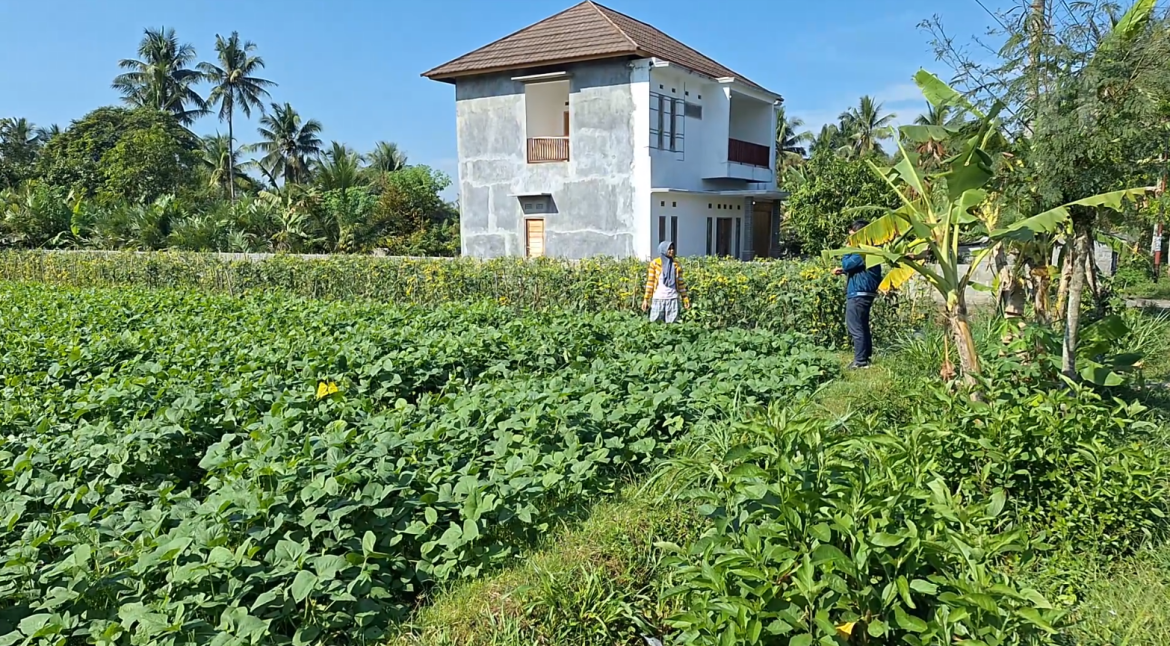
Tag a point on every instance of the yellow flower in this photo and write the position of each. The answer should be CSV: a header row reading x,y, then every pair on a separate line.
x,y
325,388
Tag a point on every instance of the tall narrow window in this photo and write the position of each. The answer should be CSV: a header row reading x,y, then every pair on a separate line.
x,y
674,103
674,231
738,228
661,120
661,228
709,236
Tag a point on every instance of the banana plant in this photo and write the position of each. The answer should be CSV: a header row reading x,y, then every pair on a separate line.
x,y
920,238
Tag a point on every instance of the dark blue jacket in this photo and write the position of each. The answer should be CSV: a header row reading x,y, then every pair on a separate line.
x,y
861,280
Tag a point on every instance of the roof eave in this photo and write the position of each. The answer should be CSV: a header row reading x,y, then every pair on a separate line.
x,y
752,90
737,83
450,77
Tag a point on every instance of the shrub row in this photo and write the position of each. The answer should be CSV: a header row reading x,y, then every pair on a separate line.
x,y
780,296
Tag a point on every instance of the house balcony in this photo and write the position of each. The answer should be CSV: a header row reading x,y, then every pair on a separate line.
x,y
745,161
745,152
548,149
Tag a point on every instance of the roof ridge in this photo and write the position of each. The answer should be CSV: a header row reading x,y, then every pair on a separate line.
x,y
518,32
647,25
598,8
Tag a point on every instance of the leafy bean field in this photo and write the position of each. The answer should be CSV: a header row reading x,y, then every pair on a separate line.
x,y
182,467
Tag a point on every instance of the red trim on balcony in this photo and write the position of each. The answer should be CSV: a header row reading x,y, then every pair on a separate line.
x,y
745,152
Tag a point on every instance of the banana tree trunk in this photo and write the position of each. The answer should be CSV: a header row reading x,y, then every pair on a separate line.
x,y
1041,284
964,340
1091,278
1066,273
1079,249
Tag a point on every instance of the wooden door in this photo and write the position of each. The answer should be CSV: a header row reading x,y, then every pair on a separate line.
x,y
534,237
566,122
762,229
723,233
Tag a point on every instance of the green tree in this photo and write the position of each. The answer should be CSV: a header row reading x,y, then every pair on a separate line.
x,y
791,141
340,167
865,125
235,85
386,157
830,140
19,146
221,163
44,134
162,78
288,143
932,151
410,203
121,153
820,209
1100,129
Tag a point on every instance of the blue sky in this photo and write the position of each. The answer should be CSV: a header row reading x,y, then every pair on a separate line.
x,y
354,65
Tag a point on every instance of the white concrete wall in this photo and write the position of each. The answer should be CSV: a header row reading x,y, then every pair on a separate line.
x,y
645,228
692,212
598,210
684,170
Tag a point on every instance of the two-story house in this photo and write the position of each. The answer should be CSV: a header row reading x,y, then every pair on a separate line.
x,y
590,133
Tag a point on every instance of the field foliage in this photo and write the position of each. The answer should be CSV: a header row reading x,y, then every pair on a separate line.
x,y
179,467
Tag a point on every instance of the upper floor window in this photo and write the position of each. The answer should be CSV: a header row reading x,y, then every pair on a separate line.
x,y
546,115
667,122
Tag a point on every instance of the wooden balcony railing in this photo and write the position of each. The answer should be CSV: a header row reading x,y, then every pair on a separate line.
x,y
548,149
745,152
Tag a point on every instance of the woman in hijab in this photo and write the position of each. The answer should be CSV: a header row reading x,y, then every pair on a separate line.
x,y
665,288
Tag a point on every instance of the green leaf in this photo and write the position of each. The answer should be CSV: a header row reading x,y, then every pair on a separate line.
x,y
998,500
886,540
431,515
939,94
924,587
968,175
921,134
801,640
1101,376
1134,20
302,585
1034,616
876,628
1054,219
908,622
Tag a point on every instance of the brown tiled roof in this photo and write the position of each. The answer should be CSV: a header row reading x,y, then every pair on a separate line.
x,y
587,31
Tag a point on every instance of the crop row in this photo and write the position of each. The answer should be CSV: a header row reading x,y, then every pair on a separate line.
x,y
178,467
781,296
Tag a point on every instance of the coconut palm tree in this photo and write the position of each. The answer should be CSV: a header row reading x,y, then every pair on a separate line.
x,y
162,78
829,139
222,162
18,134
19,145
866,125
288,143
386,157
790,148
46,133
235,86
942,116
339,168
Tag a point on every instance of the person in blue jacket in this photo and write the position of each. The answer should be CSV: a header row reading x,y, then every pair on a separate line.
x,y
861,289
